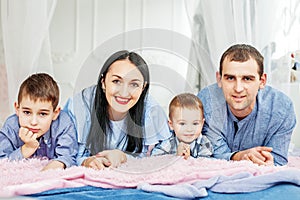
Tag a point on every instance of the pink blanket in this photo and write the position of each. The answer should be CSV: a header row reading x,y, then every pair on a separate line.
x,y
24,177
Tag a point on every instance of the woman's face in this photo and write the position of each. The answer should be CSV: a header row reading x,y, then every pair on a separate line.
x,y
123,86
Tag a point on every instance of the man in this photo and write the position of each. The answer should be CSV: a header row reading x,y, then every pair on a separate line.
x,y
244,118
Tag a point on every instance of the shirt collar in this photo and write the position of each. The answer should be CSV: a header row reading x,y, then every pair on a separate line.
x,y
249,117
47,135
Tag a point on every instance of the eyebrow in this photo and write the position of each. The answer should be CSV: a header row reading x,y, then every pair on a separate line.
x,y
250,76
43,110
24,107
131,80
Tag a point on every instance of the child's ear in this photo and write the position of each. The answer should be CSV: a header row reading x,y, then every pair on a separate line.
x,y
16,105
170,124
56,112
203,120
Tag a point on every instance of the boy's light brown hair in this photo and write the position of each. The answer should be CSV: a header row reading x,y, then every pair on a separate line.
x,y
185,100
40,86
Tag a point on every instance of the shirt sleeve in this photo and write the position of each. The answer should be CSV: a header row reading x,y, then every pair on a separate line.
x,y
280,141
156,123
7,151
206,147
83,153
219,144
10,144
66,147
162,148
212,127
78,109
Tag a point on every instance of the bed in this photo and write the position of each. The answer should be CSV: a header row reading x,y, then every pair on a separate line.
x,y
279,192
161,177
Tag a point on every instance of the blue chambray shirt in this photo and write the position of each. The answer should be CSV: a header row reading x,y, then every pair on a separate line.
x,y
79,108
60,140
270,123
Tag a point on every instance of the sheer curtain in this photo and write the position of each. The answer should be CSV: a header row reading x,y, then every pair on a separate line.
x,y
216,25
25,41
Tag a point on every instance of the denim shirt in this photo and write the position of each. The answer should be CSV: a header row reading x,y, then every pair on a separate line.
x,y
60,142
270,123
79,108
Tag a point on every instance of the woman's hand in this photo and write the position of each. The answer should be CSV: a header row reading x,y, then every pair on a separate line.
x,y
54,164
183,149
95,162
115,157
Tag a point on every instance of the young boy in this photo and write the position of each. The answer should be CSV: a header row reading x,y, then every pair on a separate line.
x,y
39,128
186,121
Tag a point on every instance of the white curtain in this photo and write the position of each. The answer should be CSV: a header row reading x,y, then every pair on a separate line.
x,y
25,32
216,25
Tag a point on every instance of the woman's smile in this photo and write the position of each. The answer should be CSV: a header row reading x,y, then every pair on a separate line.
x,y
122,100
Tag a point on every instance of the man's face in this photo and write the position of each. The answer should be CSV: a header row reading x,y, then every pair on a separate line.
x,y
240,83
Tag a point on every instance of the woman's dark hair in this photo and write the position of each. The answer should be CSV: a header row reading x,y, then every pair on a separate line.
x,y
100,123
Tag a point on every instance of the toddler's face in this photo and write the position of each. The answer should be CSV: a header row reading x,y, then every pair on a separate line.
x,y
36,116
187,124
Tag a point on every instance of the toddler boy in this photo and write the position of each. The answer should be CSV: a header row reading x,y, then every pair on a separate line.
x,y
186,120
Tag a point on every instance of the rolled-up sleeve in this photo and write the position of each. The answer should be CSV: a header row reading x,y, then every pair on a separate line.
x,y
156,123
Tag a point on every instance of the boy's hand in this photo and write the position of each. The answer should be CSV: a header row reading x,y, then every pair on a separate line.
x,y
183,149
30,140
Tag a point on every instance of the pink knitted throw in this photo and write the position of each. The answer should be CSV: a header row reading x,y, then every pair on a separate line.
x,y
24,177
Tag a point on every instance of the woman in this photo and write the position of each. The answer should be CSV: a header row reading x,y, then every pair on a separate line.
x,y
117,115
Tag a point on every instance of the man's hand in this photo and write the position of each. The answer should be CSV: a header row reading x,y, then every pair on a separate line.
x,y
183,149
30,142
259,155
269,158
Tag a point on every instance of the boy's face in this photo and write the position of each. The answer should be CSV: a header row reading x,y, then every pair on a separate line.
x,y
187,124
36,116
